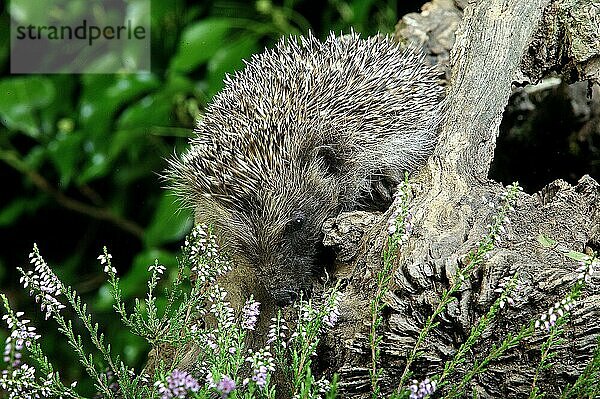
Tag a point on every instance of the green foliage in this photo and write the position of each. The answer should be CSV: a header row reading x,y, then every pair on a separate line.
x,y
302,344
475,258
588,383
550,322
399,229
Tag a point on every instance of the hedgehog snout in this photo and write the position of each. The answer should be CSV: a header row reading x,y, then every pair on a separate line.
x,y
284,292
285,288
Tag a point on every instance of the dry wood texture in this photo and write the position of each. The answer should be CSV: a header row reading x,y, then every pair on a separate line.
x,y
498,43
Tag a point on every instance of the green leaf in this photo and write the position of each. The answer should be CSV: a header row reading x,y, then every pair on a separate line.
x,y
169,223
65,152
104,95
11,212
546,242
156,108
97,166
578,256
199,43
20,100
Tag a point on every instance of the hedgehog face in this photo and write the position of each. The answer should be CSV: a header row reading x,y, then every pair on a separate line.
x,y
282,241
289,256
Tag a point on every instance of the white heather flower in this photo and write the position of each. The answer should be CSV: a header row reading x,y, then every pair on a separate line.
x,y
21,336
514,295
104,258
323,386
210,381
587,268
277,331
21,384
43,284
548,319
399,220
110,269
220,308
203,253
156,267
391,227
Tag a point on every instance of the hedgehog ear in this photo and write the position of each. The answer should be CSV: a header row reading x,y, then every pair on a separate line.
x,y
332,164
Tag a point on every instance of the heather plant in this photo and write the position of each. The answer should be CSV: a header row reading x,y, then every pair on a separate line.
x,y
399,228
300,345
227,367
196,313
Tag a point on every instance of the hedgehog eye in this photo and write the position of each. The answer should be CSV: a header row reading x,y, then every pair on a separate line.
x,y
297,222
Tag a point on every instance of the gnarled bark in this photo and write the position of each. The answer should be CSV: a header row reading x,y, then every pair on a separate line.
x,y
498,43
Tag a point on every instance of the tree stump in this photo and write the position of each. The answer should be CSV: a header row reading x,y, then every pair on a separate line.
x,y
497,43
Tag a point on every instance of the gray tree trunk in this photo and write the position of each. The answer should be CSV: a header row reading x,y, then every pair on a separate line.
x,y
496,43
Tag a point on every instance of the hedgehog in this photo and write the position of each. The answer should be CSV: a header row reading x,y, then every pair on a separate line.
x,y
307,130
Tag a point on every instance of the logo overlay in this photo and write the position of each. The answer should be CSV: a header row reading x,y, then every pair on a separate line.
x,y
79,36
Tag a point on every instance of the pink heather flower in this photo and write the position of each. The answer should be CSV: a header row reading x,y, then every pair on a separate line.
x,y
420,390
262,363
250,314
225,386
113,384
331,318
177,385
260,376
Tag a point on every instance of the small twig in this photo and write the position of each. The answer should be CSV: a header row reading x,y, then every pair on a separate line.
x,y
10,158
